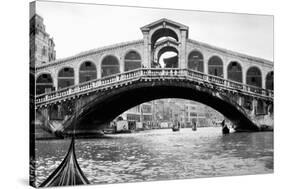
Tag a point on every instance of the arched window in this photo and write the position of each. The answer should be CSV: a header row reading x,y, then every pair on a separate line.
x,y
87,72
215,66
254,77
269,81
195,61
234,72
65,77
132,61
109,66
44,83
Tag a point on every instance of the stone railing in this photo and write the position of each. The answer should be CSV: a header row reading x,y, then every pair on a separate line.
x,y
112,80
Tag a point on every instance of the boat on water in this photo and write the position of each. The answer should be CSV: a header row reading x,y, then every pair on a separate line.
x,y
225,129
68,172
194,126
176,126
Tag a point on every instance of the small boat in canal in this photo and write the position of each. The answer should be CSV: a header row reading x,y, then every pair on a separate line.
x,y
225,129
68,172
176,126
194,126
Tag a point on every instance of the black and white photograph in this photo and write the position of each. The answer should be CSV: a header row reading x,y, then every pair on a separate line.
x,y
122,94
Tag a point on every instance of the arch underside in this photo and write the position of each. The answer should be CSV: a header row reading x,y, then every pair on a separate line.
x,y
109,104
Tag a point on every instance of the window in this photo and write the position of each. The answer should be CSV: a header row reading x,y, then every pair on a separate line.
x,y
44,51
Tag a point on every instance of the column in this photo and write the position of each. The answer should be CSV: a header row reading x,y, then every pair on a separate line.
x,y
182,50
76,75
146,51
55,79
206,58
244,73
225,65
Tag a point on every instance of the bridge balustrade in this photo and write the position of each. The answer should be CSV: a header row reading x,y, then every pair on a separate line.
x,y
150,72
217,80
235,85
197,74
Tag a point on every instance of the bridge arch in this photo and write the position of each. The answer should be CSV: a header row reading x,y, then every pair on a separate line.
x,y
254,77
234,71
163,32
87,71
132,60
44,83
269,80
170,62
109,65
65,77
196,61
109,104
215,66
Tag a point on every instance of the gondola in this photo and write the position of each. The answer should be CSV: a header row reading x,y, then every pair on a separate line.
x,y
194,127
225,129
176,126
68,173
175,129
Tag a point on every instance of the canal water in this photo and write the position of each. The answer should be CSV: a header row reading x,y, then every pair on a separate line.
x,y
162,155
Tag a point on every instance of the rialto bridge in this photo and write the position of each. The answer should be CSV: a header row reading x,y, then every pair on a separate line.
x,y
97,85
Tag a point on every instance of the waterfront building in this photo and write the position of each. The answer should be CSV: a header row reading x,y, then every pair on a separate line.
x,y
42,45
139,113
42,51
185,111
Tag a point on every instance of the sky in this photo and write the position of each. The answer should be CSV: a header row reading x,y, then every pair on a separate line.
x,y
82,27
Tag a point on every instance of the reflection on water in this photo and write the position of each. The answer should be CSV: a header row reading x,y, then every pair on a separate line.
x,y
162,154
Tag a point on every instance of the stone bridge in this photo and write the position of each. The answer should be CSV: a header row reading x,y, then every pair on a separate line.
x,y
97,85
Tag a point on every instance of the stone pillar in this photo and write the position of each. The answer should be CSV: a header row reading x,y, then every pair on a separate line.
x,y
244,74
225,65
146,50
182,50
121,63
263,79
98,70
55,79
76,75
205,63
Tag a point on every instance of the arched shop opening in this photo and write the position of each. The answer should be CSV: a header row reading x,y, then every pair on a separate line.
x,y
254,77
196,61
234,72
44,83
109,66
132,61
215,66
87,72
269,81
65,77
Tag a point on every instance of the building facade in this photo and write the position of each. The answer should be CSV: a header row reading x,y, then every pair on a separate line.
x,y
140,113
185,111
42,51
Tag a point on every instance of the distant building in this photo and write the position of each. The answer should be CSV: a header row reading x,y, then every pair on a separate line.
x,y
42,50
185,111
42,46
140,113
